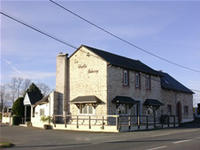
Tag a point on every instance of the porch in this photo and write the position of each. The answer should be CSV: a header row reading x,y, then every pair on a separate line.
x,y
108,123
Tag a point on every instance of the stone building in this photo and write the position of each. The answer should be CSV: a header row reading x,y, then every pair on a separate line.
x,y
93,82
102,83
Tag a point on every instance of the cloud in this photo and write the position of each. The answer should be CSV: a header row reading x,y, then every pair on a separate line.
x,y
34,75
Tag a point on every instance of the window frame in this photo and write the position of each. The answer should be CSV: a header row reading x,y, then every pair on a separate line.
x,y
125,77
124,111
148,82
42,112
186,110
88,106
137,80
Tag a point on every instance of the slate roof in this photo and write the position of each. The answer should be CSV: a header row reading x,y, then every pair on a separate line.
x,y
124,100
168,82
34,97
43,100
123,62
86,100
152,102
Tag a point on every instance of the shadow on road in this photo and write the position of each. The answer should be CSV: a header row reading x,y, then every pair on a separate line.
x,y
53,145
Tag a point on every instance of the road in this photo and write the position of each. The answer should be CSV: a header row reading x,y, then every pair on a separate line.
x,y
39,139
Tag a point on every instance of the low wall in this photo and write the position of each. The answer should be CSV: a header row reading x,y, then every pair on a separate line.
x,y
7,120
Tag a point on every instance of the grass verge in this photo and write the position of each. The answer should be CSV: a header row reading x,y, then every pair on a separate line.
x,y
6,144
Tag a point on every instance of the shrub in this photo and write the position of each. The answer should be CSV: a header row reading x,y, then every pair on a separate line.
x,y
16,120
44,119
18,107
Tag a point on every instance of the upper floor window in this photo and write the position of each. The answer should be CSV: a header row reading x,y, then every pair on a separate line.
x,y
148,82
137,80
125,77
186,110
169,109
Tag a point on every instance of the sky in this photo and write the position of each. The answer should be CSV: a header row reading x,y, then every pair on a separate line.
x,y
170,29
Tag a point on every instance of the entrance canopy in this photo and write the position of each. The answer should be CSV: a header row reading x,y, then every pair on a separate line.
x,y
91,99
124,100
152,103
85,100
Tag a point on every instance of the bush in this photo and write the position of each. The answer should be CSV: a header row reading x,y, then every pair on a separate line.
x,y
16,120
45,119
0,116
18,107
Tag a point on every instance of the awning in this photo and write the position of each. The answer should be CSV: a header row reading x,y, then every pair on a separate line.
x,y
124,100
152,102
86,100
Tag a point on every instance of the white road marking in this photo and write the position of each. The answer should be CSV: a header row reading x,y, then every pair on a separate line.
x,y
155,148
182,141
198,137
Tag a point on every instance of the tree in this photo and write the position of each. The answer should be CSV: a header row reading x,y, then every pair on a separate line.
x,y
18,107
18,87
35,91
13,88
26,83
2,96
45,89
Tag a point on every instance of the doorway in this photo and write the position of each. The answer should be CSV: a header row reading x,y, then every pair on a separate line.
x,y
179,111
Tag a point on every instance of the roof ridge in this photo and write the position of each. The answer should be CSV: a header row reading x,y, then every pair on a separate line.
x,y
110,53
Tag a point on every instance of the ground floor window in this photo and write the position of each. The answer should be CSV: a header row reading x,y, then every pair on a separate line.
x,y
186,110
86,109
169,109
123,109
41,112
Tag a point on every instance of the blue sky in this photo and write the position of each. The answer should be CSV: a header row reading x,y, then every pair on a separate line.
x,y
169,29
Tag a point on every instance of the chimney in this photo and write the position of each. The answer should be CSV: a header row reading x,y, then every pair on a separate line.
x,y
62,84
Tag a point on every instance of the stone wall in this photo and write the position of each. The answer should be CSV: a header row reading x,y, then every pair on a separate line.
x,y
116,88
172,98
88,77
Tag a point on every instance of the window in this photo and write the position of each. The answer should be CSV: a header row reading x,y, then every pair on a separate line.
x,y
86,109
169,109
33,112
41,112
186,110
148,82
123,109
125,78
137,80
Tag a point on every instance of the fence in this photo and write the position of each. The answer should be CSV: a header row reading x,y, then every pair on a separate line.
x,y
121,122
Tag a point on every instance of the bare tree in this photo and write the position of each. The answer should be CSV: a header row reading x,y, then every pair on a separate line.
x,y
13,89
2,96
25,85
45,89
19,84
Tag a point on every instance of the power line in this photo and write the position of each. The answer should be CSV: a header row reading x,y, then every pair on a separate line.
x,y
38,30
53,37
124,40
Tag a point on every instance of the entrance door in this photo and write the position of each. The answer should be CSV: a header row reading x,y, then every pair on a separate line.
x,y
179,111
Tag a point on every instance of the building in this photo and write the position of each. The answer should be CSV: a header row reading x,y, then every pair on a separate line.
x,y
96,83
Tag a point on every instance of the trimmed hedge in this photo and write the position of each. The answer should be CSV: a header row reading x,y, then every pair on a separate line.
x,y
16,120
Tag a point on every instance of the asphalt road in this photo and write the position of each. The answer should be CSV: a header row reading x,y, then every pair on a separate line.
x,y
33,138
